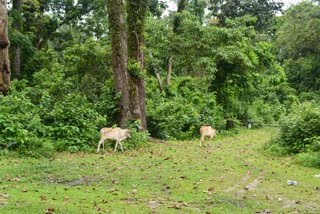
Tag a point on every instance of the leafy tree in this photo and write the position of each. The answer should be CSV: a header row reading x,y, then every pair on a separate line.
x,y
157,7
263,10
39,24
299,46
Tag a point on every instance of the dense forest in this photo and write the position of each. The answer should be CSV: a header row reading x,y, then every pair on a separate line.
x,y
69,68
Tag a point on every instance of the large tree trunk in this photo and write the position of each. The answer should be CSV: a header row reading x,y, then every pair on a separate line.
x,y
136,11
4,46
17,26
170,61
119,57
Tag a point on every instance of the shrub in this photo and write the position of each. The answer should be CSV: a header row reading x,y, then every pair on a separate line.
x,y
55,123
300,134
179,112
261,112
309,159
138,138
74,123
300,126
21,127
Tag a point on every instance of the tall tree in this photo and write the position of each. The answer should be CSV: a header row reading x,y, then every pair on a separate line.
x,y
298,40
136,11
119,56
17,26
263,10
4,45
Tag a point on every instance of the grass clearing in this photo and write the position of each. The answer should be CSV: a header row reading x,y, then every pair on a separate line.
x,y
233,176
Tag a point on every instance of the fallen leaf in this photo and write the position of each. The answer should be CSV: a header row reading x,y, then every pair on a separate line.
x,y
49,211
13,179
211,189
113,190
66,200
44,198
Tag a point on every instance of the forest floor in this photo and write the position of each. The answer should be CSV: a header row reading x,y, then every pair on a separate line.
x,y
234,175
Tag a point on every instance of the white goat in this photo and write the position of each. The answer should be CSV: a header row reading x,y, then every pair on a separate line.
x,y
113,134
207,132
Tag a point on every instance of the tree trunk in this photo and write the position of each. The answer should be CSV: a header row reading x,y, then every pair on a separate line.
x,y
4,46
156,72
16,62
176,24
136,11
119,57
17,26
170,61
229,124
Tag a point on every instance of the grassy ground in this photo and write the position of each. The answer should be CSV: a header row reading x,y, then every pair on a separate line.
x,y
233,176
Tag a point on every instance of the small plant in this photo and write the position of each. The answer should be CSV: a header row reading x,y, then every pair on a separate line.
x,y
137,138
310,159
134,68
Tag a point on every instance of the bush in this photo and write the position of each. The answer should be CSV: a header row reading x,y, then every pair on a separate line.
x,y
276,148
261,112
179,112
309,159
138,138
21,127
55,123
300,126
299,134
74,123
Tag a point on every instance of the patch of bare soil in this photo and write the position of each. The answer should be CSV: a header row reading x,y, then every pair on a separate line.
x,y
243,181
252,185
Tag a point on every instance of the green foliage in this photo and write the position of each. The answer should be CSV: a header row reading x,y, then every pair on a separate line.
x,y
300,131
134,68
21,127
309,159
262,113
72,118
308,96
264,10
137,138
49,117
299,44
107,103
74,123
180,114
86,58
